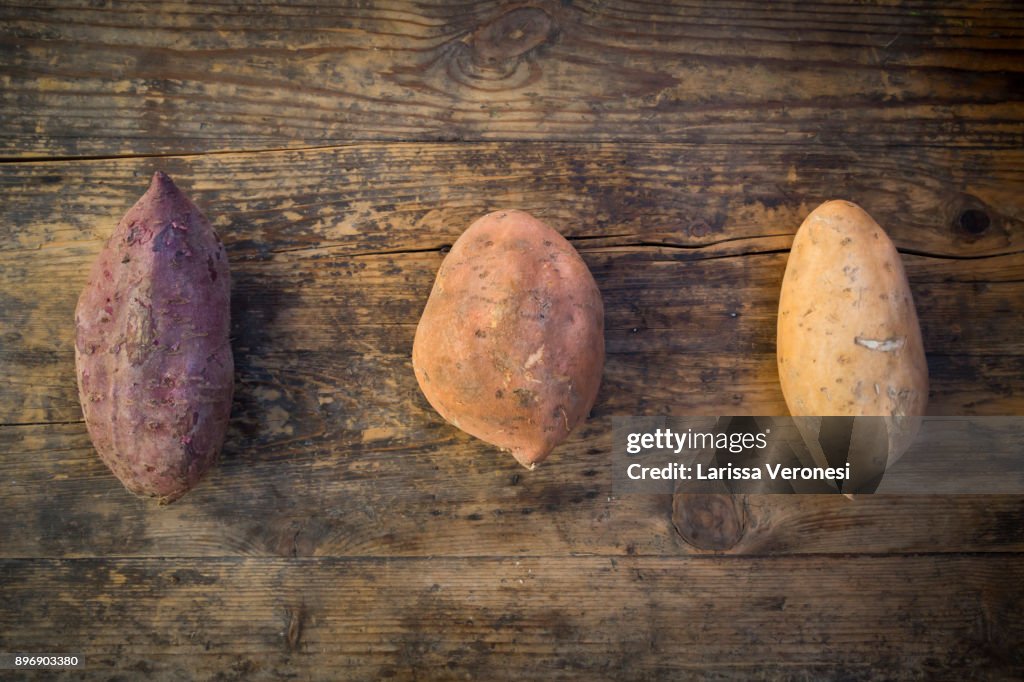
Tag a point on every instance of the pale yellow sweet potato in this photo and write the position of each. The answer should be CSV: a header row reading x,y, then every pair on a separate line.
x,y
849,342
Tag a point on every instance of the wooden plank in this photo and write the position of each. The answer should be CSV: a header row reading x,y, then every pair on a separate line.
x,y
89,79
370,198
326,266
323,488
682,335
629,618
689,343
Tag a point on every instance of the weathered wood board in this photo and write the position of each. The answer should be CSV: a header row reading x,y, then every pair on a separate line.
x,y
602,618
334,252
348,532
99,79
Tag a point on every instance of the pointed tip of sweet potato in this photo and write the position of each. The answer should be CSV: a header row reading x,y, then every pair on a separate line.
x,y
530,459
162,183
163,192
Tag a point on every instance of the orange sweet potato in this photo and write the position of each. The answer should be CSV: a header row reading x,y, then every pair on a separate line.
x,y
152,351
510,347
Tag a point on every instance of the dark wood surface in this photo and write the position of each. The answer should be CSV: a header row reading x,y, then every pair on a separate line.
x,y
102,78
348,532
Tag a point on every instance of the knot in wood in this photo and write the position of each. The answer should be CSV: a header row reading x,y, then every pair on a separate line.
x,y
714,522
699,228
973,221
511,35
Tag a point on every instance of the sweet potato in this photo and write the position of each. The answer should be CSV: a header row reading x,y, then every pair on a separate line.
x,y
152,349
510,347
849,343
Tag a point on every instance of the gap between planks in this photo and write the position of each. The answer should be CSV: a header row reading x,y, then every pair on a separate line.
x,y
441,142
703,557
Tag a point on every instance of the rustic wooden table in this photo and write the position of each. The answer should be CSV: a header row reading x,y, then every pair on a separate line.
x,y
348,532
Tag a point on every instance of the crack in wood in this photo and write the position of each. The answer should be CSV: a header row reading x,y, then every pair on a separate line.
x,y
359,254
44,423
185,154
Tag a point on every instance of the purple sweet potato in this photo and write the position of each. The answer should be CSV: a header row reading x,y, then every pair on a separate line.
x,y
152,348
510,347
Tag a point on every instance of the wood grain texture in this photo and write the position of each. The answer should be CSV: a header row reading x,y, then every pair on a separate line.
x,y
633,618
369,198
432,491
98,79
